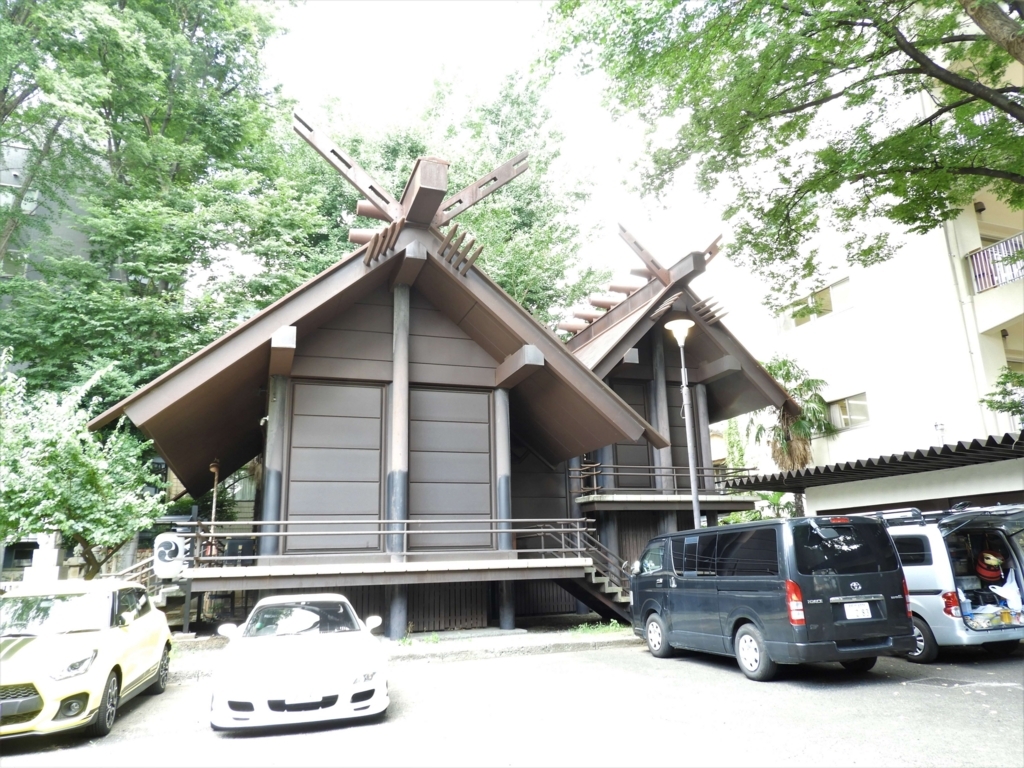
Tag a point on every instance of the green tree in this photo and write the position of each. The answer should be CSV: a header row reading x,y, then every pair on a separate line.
x,y
1008,396
57,477
809,110
147,129
788,436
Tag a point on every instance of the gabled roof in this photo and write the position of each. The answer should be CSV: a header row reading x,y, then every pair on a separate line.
x,y
211,405
961,454
736,382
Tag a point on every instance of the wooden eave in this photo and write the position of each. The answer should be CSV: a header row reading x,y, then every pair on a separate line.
x,y
211,405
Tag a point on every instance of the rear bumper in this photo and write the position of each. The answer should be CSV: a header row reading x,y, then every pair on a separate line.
x,y
955,632
800,653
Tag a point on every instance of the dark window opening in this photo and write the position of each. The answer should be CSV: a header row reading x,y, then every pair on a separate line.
x,y
748,553
913,550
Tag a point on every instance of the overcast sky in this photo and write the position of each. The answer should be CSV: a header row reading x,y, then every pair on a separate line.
x,y
379,60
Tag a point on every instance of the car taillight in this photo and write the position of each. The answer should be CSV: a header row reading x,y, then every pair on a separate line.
x,y
906,598
950,604
795,604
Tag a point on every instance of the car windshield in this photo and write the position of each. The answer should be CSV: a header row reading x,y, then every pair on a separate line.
x,y
54,614
320,617
842,549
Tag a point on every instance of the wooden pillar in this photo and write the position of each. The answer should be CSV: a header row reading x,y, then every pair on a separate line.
x,y
397,511
704,432
273,463
574,466
503,466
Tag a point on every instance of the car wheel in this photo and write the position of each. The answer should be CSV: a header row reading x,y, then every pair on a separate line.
x,y
1002,648
163,672
657,637
107,712
752,656
860,665
925,649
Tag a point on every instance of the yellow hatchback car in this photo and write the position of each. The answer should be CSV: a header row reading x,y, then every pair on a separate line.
x,y
72,651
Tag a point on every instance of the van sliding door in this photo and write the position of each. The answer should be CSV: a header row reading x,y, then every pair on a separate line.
x,y
693,594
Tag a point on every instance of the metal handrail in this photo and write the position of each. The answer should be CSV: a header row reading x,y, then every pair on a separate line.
x,y
141,571
586,478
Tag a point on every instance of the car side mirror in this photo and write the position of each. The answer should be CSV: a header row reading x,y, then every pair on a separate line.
x,y
228,630
636,568
124,619
372,622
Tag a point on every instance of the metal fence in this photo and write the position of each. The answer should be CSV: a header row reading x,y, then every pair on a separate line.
x,y
594,478
992,267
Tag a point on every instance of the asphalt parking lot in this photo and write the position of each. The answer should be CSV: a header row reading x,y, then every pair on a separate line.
x,y
617,706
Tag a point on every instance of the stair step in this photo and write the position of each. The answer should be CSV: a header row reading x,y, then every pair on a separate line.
x,y
598,579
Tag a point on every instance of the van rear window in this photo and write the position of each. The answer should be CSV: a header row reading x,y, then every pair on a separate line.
x,y
852,549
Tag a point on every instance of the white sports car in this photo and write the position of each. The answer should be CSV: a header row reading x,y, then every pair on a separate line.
x,y
299,659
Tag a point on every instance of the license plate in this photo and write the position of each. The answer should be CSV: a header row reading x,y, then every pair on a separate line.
x,y
857,610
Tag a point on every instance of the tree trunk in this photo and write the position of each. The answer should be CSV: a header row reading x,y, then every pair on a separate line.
x,y
798,505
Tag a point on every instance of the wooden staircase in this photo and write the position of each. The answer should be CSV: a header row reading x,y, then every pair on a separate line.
x,y
605,587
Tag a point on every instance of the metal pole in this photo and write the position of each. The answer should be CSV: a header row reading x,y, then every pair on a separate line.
x,y
503,462
691,441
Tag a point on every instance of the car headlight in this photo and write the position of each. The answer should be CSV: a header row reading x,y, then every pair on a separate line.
x,y
75,668
365,678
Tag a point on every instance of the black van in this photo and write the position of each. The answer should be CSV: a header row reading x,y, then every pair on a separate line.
x,y
775,592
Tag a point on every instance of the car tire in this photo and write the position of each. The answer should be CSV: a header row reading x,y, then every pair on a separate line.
x,y
657,637
107,712
752,655
1002,648
159,685
927,649
860,665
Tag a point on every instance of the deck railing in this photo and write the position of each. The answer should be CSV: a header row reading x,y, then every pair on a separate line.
x,y
991,267
624,478
208,544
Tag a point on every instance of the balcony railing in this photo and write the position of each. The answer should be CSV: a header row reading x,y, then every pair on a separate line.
x,y
237,542
991,266
621,478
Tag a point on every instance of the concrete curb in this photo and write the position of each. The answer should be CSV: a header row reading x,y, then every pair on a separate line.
x,y
193,666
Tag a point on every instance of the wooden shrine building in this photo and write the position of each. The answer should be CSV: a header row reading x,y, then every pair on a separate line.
x,y
428,448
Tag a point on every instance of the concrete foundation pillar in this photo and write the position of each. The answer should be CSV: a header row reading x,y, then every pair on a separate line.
x,y
506,605
398,612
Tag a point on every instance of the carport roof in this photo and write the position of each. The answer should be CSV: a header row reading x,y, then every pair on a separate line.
x,y
962,454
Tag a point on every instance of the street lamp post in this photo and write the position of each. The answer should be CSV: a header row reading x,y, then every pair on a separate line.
x,y
679,329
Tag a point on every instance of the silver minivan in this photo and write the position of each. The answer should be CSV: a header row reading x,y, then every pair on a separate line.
x,y
965,575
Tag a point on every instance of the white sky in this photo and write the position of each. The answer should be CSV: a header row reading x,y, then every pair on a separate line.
x,y
379,60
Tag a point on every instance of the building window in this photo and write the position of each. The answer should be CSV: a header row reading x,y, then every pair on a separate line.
x,y
835,298
849,412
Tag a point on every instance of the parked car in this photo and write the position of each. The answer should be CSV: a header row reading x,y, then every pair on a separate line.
x,y
299,659
73,651
775,592
965,571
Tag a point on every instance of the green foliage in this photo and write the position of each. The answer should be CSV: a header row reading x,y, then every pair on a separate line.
x,y
598,628
1008,396
735,454
742,516
809,111
56,476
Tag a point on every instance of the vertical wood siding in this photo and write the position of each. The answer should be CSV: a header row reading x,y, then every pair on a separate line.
x,y
635,530
542,598
450,464
334,466
437,607
633,454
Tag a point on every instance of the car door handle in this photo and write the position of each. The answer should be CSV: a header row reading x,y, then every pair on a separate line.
x,y
659,581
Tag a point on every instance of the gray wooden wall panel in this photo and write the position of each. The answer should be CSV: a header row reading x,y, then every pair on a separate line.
x,y
438,607
444,482
334,464
356,344
542,597
677,434
633,454
442,353
635,530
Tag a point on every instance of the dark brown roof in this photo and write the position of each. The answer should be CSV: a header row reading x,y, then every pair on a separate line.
x,y
736,382
982,451
211,405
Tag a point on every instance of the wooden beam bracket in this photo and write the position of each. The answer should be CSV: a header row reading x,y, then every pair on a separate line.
x,y
282,350
518,366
